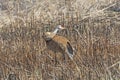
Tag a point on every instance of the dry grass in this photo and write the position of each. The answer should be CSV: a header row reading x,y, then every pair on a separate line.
x,y
95,39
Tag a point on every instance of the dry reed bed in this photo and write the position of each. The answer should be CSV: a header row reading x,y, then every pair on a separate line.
x,y
96,40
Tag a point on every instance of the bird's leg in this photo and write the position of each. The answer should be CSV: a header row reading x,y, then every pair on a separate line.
x,y
64,58
55,63
55,59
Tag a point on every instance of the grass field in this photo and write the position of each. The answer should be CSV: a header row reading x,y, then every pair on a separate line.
x,y
95,37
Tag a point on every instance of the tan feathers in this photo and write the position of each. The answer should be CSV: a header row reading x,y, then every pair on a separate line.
x,y
58,43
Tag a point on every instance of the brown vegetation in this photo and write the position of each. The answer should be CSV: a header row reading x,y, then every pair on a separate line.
x,y
96,41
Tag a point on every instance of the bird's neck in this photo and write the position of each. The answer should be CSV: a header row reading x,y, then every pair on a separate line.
x,y
55,31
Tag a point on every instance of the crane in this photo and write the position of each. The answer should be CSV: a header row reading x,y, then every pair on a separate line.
x,y
58,43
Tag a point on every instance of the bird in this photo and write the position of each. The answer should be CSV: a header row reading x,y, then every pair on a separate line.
x,y
57,43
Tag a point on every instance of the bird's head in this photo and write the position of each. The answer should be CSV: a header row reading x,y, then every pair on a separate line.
x,y
60,27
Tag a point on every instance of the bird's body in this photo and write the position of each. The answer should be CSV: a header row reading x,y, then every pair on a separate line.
x,y
58,43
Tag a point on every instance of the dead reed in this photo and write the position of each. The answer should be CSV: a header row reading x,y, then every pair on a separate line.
x,y
96,41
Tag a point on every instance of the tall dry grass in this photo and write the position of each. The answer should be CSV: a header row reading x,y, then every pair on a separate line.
x,y
96,40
